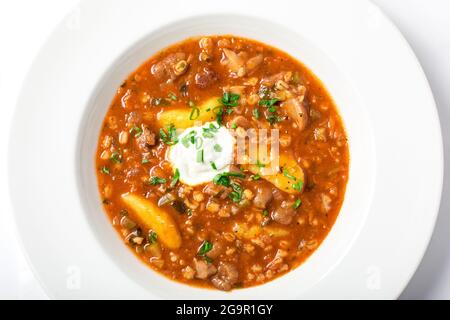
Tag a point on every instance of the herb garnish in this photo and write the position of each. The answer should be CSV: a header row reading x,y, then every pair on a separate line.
x,y
297,203
116,157
205,248
136,131
105,170
170,138
175,178
152,237
154,180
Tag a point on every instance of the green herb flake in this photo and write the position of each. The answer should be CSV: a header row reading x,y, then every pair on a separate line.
x,y
136,131
195,113
152,237
230,99
288,175
205,248
236,194
217,148
233,125
297,203
175,178
213,165
145,161
172,96
105,170
200,156
256,177
116,157
298,186
265,213
256,113
170,138
160,102
268,103
154,180
189,138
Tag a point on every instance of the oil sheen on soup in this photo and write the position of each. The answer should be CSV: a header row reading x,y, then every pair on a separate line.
x,y
222,162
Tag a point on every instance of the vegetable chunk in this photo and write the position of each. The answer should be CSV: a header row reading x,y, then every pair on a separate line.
x,y
155,218
289,177
187,117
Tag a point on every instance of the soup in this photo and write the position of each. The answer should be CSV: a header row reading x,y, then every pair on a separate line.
x,y
222,162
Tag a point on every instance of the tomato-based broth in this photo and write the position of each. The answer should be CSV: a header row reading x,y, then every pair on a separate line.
x,y
181,195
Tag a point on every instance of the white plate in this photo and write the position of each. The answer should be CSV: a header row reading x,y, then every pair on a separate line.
x,y
395,144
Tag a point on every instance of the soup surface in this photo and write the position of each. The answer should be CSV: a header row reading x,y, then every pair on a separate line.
x,y
222,162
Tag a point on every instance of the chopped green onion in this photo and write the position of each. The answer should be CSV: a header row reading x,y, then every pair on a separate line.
x,y
154,180
170,138
136,131
172,96
205,248
288,175
116,157
105,170
152,237
256,113
176,177
200,155
195,113
298,186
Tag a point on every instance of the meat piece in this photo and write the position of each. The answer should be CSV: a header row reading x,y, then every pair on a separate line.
x,y
146,140
205,78
216,250
263,196
233,61
203,270
297,111
240,121
270,80
166,68
254,62
227,276
285,213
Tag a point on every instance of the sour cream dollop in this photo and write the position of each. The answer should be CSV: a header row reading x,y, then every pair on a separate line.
x,y
202,152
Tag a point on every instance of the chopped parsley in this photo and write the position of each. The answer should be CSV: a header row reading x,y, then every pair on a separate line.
x,y
170,137
259,164
265,213
217,148
233,125
145,161
213,165
268,103
297,203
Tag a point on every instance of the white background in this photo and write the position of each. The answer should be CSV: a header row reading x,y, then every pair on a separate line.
x,y
25,25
